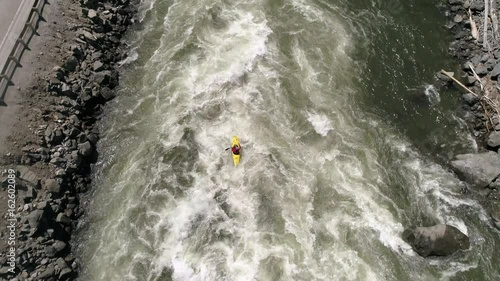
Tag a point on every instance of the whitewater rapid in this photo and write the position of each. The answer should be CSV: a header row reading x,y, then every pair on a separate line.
x,y
324,190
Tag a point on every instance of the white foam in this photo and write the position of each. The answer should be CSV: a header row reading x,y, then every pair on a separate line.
x,y
322,125
432,94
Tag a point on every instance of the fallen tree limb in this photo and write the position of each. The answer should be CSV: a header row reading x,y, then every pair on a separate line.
x,y
482,99
458,82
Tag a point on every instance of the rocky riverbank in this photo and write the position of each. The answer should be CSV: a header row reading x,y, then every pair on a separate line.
x,y
474,25
478,79
479,56
51,155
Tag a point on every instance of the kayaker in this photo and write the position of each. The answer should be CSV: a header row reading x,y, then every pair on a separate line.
x,y
236,149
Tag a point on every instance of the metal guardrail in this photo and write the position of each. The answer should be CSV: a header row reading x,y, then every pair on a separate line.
x,y
17,39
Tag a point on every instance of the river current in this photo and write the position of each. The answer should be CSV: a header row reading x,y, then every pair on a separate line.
x,y
345,143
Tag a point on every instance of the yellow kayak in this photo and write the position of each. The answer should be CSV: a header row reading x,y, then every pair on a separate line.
x,y
236,157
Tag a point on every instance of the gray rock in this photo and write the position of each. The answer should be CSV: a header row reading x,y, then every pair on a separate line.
x,y
102,77
98,66
61,263
49,133
438,240
493,141
73,132
59,246
50,251
477,169
470,99
30,194
85,148
61,218
53,186
458,18
470,80
96,55
71,64
35,218
88,36
65,274
4,270
481,70
495,214
107,93
93,138
27,175
47,273
91,14
477,6
495,72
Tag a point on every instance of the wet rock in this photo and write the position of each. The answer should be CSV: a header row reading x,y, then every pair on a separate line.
x,y
495,214
456,2
477,169
107,93
458,18
93,138
438,240
470,80
470,99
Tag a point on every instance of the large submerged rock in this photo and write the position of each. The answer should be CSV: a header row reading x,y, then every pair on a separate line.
x,y
438,240
479,169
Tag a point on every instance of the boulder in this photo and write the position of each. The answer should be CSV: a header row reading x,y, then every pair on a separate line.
x,y
59,246
50,251
71,64
479,169
495,214
65,274
469,98
27,175
438,240
494,140
495,72
85,148
61,218
98,66
53,186
47,273
37,220
107,93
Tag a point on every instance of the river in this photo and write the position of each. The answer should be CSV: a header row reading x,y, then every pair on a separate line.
x,y
345,144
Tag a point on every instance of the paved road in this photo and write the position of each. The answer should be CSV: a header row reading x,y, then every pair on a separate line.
x,y
8,9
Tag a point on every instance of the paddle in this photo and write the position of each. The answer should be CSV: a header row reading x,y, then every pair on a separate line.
x,y
227,148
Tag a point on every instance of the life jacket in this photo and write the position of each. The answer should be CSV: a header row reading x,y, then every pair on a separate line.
x,y
235,149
